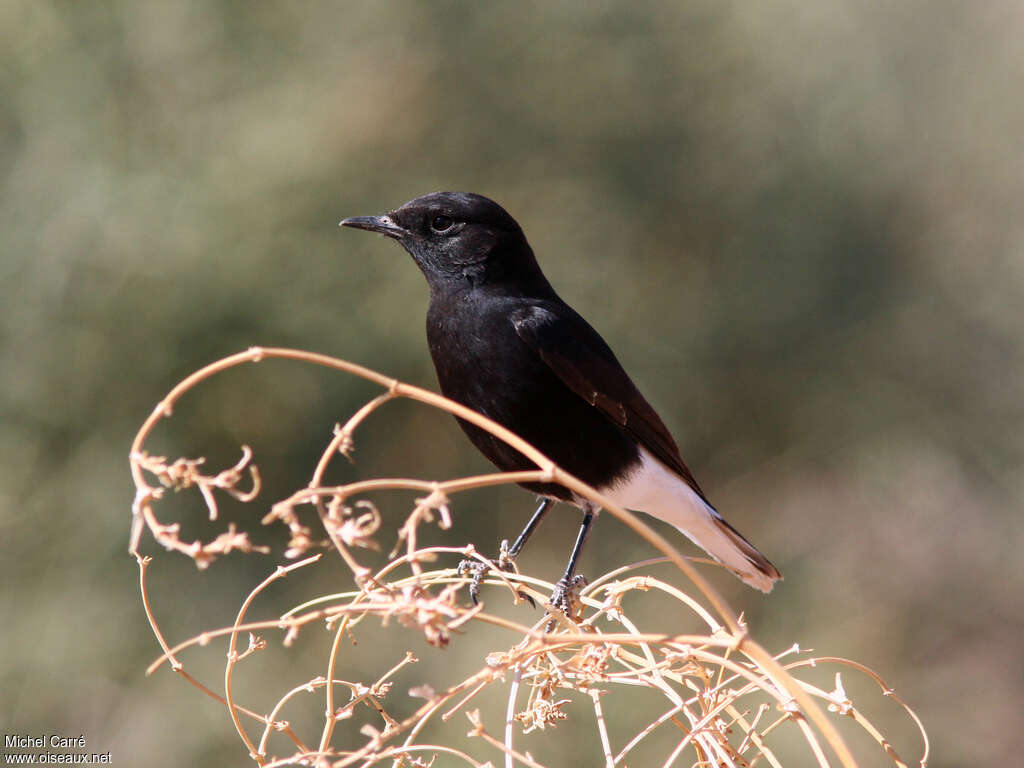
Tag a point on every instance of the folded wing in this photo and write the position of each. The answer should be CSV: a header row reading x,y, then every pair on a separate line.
x,y
584,362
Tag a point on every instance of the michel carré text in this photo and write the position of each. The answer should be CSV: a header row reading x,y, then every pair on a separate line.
x,y
24,741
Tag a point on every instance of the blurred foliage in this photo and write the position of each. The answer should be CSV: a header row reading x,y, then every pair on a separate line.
x,y
799,225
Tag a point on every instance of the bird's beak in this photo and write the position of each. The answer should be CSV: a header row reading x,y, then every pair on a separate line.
x,y
383,225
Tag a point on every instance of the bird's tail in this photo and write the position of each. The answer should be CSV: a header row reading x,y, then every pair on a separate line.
x,y
701,524
728,546
655,489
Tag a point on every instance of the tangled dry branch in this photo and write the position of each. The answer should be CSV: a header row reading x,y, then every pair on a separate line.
x,y
724,699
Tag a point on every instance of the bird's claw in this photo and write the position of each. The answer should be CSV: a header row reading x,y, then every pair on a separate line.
x,y
566,598
479,570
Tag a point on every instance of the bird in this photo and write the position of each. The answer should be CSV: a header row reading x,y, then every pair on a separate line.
x,y
504,344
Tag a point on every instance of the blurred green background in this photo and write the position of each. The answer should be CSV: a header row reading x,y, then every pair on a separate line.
x,y
798,224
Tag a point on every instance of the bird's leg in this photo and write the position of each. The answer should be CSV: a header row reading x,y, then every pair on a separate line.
x,y
566,594
506,555
531,526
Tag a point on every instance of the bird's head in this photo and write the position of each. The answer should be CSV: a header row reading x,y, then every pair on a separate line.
x,y
458,237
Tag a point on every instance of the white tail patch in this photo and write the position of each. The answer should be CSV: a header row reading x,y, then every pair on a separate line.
x,y
656,490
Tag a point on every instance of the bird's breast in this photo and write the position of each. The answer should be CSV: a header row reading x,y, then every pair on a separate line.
x,y
482,363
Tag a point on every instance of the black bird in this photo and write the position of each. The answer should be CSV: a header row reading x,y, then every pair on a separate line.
x,y
505,345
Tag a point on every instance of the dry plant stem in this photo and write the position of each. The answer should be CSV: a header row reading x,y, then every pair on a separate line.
x,y
696,732
273,724
646,582
864,723
755,738
329,720
143,565
396,751
465,552
343,436
363,752
392,565
542,639
647,731
269,722
205,637
537,647
229,668
510,713
547,641
812,739
847,708
169,656
428,712
602,730
464,700
342,442
655,677
478,730
886,691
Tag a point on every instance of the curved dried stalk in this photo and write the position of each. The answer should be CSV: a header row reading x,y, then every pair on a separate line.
x,y
711,681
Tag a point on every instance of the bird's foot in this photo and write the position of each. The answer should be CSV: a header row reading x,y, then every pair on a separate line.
x,y
566,598
479,570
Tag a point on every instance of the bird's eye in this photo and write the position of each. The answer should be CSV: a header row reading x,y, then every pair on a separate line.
x,y
441,223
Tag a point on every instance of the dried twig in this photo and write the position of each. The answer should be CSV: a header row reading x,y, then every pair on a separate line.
x,y
719,685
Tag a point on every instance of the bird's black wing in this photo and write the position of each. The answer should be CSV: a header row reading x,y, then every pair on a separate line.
x,y
586,365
